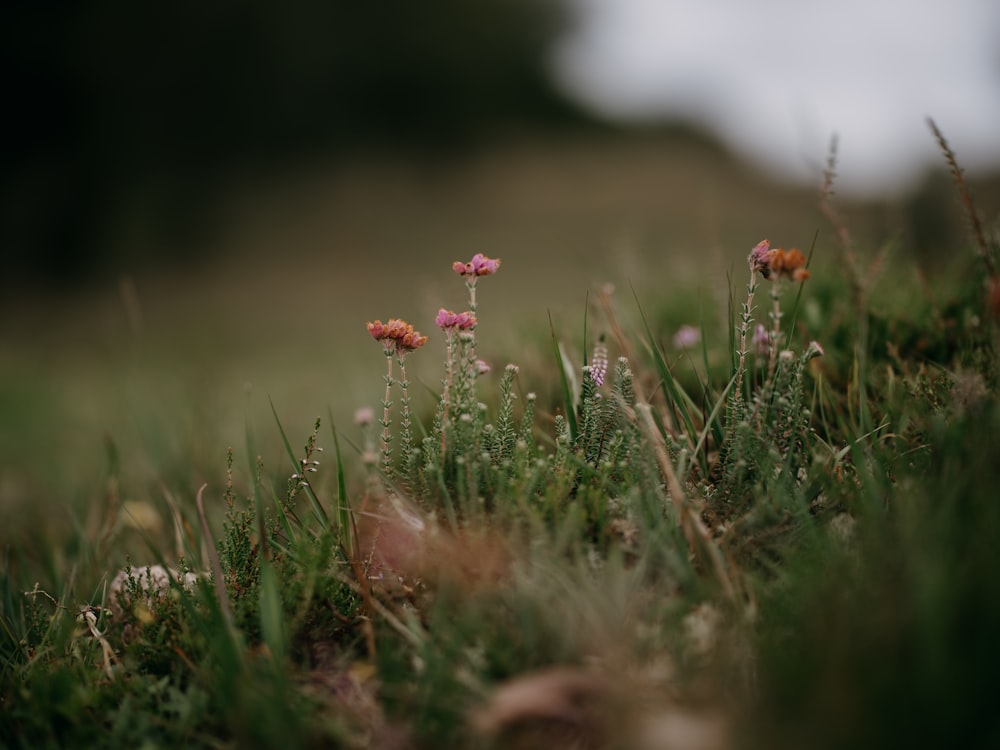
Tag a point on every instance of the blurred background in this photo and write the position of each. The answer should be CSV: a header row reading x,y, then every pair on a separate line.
x,y
202,203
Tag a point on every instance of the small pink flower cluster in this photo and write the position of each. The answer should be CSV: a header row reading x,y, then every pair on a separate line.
x,y
775,262
599,364
686,337
397,334
447,319
760,256
761,339
480,265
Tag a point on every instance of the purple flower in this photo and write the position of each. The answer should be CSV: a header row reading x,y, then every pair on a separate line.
x,y
480,265
447,319
773,263
761,340
599,364
686,337
760,258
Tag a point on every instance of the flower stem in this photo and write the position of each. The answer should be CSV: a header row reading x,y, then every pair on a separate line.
x,y
406,435
775,328
446,392
386,420
746,318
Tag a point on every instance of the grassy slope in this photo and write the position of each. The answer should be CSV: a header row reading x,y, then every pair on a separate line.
x,y
854,642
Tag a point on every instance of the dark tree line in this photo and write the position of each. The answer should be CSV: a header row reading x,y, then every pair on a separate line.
x,y
107,98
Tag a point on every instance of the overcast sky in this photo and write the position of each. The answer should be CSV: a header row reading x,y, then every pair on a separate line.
x,y
776,78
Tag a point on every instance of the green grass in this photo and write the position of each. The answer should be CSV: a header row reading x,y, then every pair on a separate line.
x,y
798,552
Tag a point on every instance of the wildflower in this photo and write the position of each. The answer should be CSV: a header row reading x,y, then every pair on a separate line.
x,y
814,350
761,339
402,338
760,257
481,367
410,341
773,263
599,364
480,265
686,337
396,335
364,416
790,263
446,319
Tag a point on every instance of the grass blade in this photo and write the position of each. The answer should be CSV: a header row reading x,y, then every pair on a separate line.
x,y
677,399
568,400
343,503
272,616
317,507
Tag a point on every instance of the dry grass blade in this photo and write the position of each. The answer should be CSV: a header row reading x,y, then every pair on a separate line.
x,y
966,196
695,531
216,563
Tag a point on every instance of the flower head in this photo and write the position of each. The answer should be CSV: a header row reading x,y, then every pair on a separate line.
x,y
773,263
599,364
409,341
396,335
760,257
480,265
790,263
686,337
761,339
447,319
814,350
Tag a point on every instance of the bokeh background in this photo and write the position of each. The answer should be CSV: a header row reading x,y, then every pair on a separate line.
x,y
202,203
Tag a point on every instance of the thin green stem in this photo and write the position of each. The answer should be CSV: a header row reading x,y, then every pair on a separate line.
x,y
386,420
406,434
746,318
775,328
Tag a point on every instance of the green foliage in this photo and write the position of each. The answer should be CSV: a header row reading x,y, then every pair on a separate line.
x,y
800,537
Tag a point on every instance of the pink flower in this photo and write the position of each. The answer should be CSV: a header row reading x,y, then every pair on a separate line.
x,y
481,367
814,350
686,337
761,339
480,265
447,319
396,334
760,257
775,262
409,341
599,364
364,416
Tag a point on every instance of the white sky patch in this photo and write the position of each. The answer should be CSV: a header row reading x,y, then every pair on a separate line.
x,y
777,78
